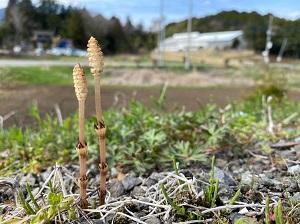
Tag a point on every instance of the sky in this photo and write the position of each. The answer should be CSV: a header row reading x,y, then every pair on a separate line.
x,y
146,11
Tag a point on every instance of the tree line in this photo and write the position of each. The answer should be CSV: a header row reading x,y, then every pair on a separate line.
x,y
254,26
22,18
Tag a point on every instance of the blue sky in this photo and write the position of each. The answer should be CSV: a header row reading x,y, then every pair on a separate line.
x,y
145,11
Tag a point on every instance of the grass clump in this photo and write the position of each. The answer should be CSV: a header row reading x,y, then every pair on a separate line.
x,y
36,75
46,212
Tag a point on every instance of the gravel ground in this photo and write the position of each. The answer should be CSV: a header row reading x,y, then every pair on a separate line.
x,y
132,199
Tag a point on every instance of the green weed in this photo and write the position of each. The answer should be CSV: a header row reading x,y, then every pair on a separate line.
x,y
180,210
267,211
278,213
235,197
143,139
211,192
46,214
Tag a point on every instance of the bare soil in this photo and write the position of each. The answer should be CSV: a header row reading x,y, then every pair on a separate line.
x,y
20,98
154,77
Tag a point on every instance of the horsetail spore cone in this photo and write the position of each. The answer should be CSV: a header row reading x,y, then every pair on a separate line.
x,y
80,85
96,66
95,57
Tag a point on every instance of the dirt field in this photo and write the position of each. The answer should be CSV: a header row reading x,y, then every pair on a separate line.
x,y
214,57
154,77
190,91
20,98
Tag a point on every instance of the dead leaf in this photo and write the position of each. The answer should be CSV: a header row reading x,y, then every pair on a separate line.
x,y
121,176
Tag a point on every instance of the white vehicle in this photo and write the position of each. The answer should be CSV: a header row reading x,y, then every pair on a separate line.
x,y
66,52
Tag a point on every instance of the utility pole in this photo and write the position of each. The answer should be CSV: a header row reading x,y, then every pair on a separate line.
x,y
281,51
161,36
187,61
156,28
269,43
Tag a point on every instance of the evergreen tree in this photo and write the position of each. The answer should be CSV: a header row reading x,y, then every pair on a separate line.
x,y
74,29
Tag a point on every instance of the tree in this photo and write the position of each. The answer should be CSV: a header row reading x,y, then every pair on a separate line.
x,y
116,37
22,18
19,19
50,15
74,29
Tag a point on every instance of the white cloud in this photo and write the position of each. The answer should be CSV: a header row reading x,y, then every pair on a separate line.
x,y
65,2
293,15
206,2
3,3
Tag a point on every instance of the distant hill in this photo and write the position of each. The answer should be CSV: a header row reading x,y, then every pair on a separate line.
x,y
226,20
254,26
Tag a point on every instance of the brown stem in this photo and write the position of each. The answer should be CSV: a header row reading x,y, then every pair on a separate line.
x,y
82,151
98,98
100,129
103,168
81,121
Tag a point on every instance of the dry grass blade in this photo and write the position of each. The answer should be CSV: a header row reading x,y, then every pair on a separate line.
x,y
80,85
96,65
153,203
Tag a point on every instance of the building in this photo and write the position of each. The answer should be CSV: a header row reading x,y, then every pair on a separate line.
x,y
213,40
42,37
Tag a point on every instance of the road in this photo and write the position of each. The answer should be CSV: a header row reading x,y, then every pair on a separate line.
x,y
32,62
67,62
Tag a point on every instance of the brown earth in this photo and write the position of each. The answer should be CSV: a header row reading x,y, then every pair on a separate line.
x,y
20,99
154,77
